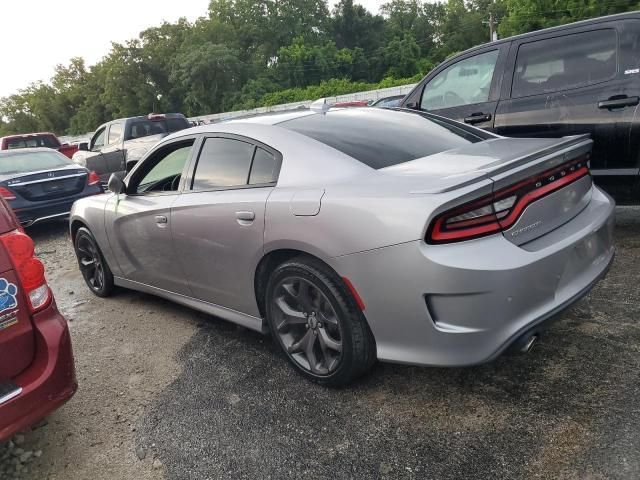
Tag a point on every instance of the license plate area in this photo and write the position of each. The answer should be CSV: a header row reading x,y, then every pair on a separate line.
x,y
8,391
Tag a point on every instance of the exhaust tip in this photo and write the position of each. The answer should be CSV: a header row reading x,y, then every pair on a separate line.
x,y
528,344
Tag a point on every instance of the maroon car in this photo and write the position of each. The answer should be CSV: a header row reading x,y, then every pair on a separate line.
x,y
37,372
37,140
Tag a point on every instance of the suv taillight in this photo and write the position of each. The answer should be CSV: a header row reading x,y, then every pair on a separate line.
x,y
499,211
28,267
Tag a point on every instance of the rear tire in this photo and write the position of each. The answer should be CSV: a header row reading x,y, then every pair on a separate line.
x,y
317,323
94,268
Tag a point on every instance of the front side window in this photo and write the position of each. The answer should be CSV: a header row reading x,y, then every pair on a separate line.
x,y
115,132
165,169
464,83
98,140
564,63
223,162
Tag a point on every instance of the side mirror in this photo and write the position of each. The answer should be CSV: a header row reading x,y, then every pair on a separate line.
x,y
116,183
130,165
412,106
83,146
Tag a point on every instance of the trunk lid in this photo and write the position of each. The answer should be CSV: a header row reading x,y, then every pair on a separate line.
x,y
17,342
48,185
538,175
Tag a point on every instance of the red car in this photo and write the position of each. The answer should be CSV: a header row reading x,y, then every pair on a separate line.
x,y
37,372
35,140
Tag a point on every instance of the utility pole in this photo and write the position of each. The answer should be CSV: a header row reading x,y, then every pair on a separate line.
x,y
492,22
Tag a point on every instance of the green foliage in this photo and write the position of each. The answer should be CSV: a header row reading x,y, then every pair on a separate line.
x,y
249,53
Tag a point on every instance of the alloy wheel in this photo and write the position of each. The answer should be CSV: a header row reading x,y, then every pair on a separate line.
x,y
307,325
90,263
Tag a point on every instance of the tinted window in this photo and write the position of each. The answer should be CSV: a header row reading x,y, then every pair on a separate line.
x,y
564,63
223,162
463,83
380,138
144,127
264,168
24,162
98,141
165,174
115,132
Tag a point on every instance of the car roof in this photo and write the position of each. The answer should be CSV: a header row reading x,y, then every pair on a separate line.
x,y
559,28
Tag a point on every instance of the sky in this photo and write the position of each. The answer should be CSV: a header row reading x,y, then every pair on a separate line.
x,y
37,35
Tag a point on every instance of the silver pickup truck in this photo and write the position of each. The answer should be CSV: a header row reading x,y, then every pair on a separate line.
x,y
117,145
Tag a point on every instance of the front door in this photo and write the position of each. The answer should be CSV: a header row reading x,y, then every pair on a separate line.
x,y
218,224
465,90
140,236
571,84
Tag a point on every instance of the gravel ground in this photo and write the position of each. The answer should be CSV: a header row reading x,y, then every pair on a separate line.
x,y
198,398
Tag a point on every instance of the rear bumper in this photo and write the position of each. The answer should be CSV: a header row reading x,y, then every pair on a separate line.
x,y
50,380
29,213
465,303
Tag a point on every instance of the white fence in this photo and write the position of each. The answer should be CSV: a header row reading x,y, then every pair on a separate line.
x,y
220,117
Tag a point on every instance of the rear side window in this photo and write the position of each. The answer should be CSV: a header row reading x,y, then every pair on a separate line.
x,y
223,162
564,63
264,168
115,132
381,138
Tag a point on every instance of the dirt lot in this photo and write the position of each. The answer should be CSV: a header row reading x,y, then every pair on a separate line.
x,y
168,392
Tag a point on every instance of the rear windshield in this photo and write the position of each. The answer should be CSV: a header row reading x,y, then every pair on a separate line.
x,y
382,138
25,162
144,127
32,142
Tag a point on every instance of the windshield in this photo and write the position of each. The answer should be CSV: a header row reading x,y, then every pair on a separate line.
x,y
32,142
26,162
381,138
145,127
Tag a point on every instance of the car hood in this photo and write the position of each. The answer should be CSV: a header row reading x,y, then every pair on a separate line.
x,y
455,168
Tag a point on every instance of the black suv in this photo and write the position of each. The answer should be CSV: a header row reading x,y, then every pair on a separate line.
x,y
578,78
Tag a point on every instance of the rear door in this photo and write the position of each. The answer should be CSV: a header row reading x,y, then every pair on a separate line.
x,y
464,89
112,151
573,82
17,343
218,223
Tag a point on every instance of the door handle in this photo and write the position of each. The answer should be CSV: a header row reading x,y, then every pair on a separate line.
x,y
477,117
245,217
161,219
619,101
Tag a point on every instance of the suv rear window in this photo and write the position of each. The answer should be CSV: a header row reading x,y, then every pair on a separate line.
x,y
563,63
382,138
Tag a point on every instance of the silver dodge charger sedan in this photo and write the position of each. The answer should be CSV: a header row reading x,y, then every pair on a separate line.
x,y
356,234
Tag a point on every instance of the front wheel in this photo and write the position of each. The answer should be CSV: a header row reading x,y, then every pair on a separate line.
x,y
95,271
317,323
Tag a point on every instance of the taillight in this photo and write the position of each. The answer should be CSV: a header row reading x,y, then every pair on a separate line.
x,y
28,267
499,211
93,178
7,194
